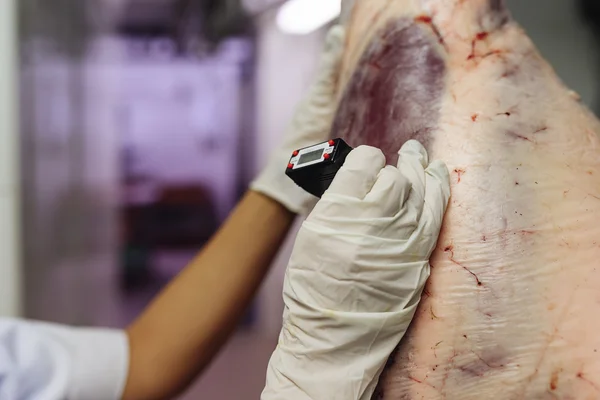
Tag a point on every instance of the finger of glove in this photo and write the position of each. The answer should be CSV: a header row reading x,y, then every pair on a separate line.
x,y
437,197
412,162
437,194
358,174
389,192
439,170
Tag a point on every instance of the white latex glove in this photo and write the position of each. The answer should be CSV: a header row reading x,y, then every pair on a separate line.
x,y
356,274
311,124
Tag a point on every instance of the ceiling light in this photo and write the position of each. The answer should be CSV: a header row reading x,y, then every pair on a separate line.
x,y
301,17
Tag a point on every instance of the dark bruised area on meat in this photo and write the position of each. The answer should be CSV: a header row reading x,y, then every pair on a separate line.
x,y
395,91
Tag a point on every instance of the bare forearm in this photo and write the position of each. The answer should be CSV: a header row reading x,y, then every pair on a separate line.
x,y
186,325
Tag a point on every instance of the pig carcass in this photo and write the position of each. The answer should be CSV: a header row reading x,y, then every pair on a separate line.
x,y
511,309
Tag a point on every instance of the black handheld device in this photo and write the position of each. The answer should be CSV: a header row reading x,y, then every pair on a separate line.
x,y
313,168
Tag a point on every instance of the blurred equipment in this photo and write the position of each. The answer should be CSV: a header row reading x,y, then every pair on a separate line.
x,y
301,17
68,31
182,218
192,24
223,19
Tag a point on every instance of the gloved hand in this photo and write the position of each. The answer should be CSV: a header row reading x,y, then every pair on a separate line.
x,y
356,274
311,124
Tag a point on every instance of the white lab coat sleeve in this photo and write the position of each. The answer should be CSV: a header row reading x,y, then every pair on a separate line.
x,y
41,361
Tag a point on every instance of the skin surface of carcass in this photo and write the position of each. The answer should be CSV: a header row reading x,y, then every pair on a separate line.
x,y
510,311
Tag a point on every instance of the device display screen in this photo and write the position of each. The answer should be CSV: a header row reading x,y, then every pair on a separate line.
x,y
312,156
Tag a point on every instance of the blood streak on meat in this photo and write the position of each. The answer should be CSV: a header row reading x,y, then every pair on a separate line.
x,y
591,383
520,278
459,173
478,38
425,19
451,251
554,380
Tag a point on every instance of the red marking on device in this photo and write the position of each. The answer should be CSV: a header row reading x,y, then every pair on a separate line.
x,y
326,156
290,166
332,142
295,153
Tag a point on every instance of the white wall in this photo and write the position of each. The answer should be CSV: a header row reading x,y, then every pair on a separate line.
x,y
9,191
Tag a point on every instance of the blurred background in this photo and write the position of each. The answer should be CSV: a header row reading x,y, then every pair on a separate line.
x,y
130,128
